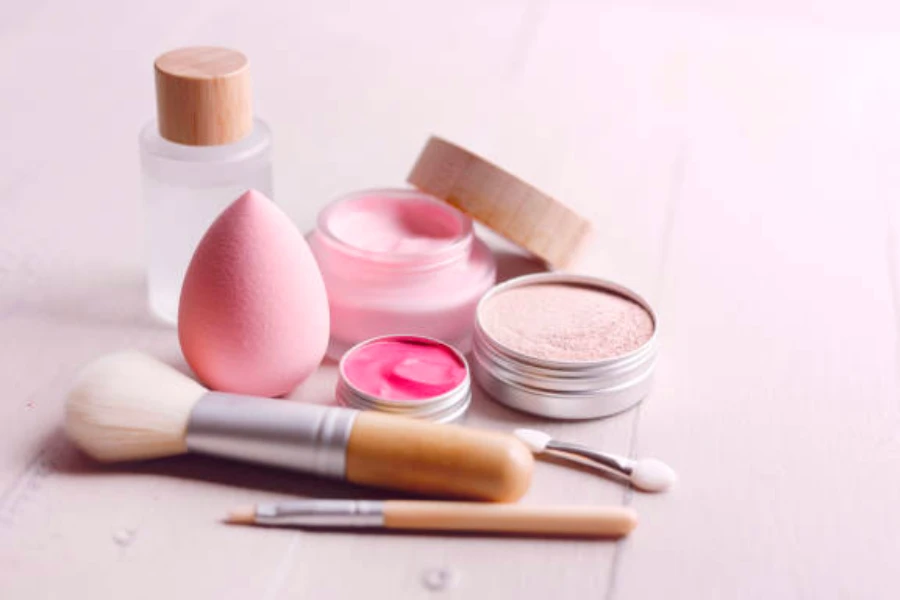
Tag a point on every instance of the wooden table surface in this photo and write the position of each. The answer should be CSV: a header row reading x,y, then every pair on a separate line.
x,y
742,165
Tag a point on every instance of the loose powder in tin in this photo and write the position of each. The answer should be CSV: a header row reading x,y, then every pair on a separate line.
x,y
566,322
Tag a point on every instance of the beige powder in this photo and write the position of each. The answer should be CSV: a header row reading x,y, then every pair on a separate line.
x,y
566,322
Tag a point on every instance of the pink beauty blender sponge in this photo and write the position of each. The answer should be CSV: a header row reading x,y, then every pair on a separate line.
x,y
253,316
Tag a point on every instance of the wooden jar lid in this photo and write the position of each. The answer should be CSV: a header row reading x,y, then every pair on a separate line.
x,y
203,96
522,214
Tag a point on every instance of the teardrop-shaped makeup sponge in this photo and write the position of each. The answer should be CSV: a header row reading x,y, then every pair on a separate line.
x,y
253,315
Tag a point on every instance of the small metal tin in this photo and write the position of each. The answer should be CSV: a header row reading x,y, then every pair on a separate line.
x,y
445,408
569,389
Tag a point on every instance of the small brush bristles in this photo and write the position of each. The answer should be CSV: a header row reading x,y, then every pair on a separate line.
x,y
130,406
535,440
244,515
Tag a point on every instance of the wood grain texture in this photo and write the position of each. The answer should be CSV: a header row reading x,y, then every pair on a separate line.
x,y
738,164
204,96
507,205
558,520
437,460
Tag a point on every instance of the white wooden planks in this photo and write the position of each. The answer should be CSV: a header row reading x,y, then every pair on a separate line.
x,y
779,397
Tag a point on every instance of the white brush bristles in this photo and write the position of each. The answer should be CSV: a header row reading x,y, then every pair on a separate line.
x,y
535,440
130,406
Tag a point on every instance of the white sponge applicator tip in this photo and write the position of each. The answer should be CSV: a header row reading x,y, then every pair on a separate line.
x,y
652,475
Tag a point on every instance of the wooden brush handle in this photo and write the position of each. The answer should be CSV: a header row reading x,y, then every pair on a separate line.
x,y
574,521
438,460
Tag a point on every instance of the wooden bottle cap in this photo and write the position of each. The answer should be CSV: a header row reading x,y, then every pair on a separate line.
x,y
542,225
203,96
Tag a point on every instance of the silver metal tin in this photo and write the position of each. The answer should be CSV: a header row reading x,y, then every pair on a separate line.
x,y
303,437
557,389
446,408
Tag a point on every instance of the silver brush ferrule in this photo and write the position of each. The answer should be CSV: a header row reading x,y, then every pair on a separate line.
x,y
280,433
322,513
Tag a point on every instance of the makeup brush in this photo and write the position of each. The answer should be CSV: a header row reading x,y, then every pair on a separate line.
x,y
522,519
646,474
130,406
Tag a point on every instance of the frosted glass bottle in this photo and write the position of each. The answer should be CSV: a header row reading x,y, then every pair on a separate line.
x,y
203,151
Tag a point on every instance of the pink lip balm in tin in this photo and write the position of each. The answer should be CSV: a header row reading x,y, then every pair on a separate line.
x,y
406,375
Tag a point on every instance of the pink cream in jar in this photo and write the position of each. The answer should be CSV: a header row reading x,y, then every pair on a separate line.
x,y
400,261
407,375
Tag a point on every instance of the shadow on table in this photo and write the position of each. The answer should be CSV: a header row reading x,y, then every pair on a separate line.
x,y
512,262
67,459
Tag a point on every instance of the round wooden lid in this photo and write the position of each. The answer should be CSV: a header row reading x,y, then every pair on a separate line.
x,y
203,96
542,225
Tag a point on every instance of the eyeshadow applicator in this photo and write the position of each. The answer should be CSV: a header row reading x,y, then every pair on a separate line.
x,y
646,474
129,406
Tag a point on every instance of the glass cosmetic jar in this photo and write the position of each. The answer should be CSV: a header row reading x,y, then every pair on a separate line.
x,y
204,150
405,375
565,346
400,262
